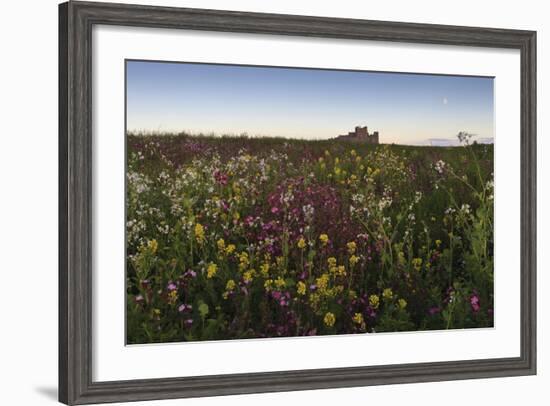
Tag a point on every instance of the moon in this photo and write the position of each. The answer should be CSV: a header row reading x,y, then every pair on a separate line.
x,y
445,101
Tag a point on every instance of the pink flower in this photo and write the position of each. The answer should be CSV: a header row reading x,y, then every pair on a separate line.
x,y
312,332
184,308
190,273
474,303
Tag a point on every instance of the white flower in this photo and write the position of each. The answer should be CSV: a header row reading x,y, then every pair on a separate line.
x,y
440,166
465,208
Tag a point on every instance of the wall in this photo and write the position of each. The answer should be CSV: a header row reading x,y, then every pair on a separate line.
x,y
28,202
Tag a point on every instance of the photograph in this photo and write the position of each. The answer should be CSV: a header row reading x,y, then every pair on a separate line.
x,y
267,201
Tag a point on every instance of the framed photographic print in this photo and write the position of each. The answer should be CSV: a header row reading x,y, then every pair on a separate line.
x,y
258,202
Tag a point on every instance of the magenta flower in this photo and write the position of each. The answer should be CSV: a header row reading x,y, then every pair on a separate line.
x,y
371,312
221,178
434,310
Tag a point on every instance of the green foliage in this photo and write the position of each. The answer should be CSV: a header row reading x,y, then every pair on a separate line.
x,y
236,237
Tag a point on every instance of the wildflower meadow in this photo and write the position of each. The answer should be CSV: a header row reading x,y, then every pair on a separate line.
x,y
242,237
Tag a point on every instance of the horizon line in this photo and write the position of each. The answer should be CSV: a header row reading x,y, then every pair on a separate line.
x,y
429,142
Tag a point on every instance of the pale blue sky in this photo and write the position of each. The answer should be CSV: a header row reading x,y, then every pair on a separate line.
x,y
305,103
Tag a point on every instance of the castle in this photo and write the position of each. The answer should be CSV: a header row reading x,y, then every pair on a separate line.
x,y
361,134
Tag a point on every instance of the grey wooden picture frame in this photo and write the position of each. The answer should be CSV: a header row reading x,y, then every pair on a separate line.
x,y
76,20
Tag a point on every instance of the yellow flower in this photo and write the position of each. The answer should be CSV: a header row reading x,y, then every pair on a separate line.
x,y
301,243
331,262
301,288
336,161
437,243
337,171
329,319
211,270
243,260
153,246
341,270
322,283
199,233
417,263
374,301
264,269
230,285
221,244
248,276
230,249
353,260
352,247
401,258
353,153
387,293
324,239
268,285
314,300
327,153
172,296
358,318
280,283
402,303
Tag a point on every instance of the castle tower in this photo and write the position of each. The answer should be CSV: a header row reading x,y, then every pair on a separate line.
x,y
361,134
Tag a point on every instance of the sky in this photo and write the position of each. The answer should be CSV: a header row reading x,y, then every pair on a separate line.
x,y
306,103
